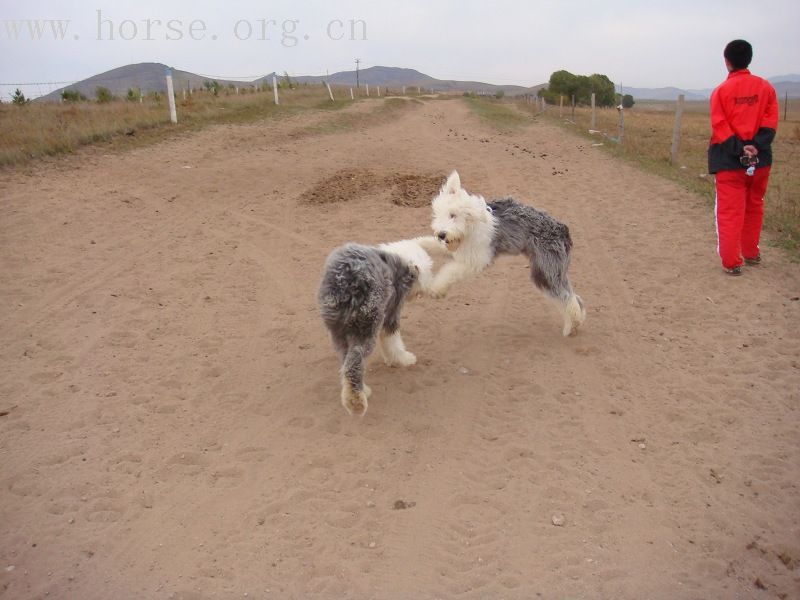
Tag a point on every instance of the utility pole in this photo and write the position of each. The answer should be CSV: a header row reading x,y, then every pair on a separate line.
x,y
358,61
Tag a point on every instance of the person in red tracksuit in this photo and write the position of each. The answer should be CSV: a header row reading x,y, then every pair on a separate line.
x,y
744,118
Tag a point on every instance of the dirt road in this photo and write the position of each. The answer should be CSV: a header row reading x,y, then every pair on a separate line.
x,y
171,426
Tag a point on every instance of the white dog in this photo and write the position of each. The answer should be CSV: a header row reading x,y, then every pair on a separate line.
x,y
475,232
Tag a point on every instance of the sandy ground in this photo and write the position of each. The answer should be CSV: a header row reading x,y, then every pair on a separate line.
x,y
171,426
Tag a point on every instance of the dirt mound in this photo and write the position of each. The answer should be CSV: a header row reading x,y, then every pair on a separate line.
x,y
342,186
405,189
415,190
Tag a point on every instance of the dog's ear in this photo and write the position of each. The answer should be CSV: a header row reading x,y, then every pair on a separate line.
x,y
477,210
453,184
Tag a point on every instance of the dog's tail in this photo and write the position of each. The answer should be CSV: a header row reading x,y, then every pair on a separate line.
x,y
574,314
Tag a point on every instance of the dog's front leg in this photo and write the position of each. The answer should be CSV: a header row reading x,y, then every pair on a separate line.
x,y
449,274
431,245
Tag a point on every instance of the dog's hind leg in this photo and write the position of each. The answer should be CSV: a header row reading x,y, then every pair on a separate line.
x,y
394,351
354,391
548,271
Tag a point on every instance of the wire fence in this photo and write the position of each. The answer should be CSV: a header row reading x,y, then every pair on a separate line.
x,y
147,83
153,80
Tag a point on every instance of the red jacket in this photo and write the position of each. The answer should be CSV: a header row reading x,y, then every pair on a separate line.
x,y
744,110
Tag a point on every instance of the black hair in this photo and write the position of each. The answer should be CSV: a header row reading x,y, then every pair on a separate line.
x,y
739,53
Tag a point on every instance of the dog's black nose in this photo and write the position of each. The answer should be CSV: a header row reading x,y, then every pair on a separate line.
x,y
442,235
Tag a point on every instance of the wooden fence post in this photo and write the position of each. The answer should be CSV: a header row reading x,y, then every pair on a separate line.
x,y
593,124
330,93
573,108
367,86
621,126
352,97
676,132
275,89
560,106
173,115
404,90
379,91
785,104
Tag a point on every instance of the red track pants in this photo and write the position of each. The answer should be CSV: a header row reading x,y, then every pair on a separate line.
x,y
740,212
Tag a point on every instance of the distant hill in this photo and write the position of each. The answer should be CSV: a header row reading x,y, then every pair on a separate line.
x,y
395,77
149,77
791,78
665,93
787,87
783,84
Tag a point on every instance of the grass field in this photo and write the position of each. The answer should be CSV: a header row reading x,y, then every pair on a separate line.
x,y
647,140
496,114
38,129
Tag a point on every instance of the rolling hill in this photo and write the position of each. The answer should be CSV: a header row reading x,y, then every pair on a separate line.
x,y
149,77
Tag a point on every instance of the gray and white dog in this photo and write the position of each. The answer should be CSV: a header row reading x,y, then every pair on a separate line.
x,y
475,232
361,295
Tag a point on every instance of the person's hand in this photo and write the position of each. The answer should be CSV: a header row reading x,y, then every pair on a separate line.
x,y
750,150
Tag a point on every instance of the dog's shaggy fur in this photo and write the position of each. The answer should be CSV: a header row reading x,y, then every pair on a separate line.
x,y
475,232
362,292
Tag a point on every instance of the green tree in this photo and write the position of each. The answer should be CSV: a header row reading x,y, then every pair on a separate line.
x,y
18,97
564,83
212,86
627,101
72,96
603,89
103,94
133,94
499,94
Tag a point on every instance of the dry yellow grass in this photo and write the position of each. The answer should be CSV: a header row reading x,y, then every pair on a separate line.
x,y
648,137
39,129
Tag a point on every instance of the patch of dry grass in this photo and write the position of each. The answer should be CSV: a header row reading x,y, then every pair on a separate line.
x,y
648,137
382,111
40,129
496,113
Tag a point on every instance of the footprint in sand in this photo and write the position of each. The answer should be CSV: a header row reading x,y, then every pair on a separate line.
x,y
227,477
105,510
252,454
45,377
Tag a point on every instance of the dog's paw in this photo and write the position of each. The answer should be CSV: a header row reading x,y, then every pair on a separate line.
x,y
436,292
571,328
406,359
574,316
403,359
356,404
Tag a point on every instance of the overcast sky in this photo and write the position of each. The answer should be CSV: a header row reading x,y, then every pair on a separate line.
x,y
677,43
